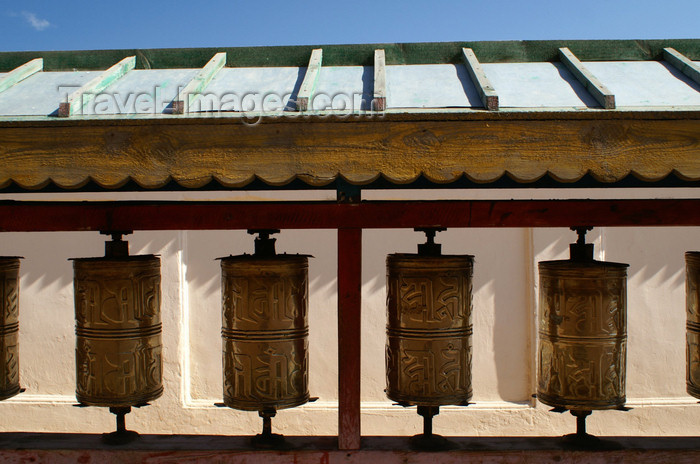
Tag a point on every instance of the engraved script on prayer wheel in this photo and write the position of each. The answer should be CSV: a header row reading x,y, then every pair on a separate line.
x,y
265,329
9,327
429,350
582,331
692,296
118,328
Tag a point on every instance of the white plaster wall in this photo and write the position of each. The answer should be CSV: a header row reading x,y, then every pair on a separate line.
x,y
505,293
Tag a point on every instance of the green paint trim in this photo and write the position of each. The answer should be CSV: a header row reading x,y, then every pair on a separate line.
x,y
78,99
21,73
308,85
192,91
360,54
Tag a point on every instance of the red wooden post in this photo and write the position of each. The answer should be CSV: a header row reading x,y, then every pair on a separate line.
x,y
349,336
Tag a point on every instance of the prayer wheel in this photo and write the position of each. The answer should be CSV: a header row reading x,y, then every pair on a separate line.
x,y
265,331
582,333
429,348
692,296
9,327
118,329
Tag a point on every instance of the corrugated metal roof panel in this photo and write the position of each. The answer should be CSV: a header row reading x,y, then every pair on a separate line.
x,y
350,88
140,92
40,94
430,86
646,83
251,89
537,85
344,88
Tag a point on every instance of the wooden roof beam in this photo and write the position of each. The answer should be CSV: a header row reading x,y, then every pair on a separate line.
x,y
596,88
487,93
193,90
78,99
308,85
683,64
379,97
20,73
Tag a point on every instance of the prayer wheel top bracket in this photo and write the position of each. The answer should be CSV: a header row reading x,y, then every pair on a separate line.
x,y
264,244
116,248
581,251
429,248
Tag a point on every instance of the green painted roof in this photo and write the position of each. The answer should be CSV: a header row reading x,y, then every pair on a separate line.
x,y
358,54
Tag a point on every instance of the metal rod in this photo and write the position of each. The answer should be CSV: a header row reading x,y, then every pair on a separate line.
x,y
121,422
267,416
121,413
428,412
428,425
581,423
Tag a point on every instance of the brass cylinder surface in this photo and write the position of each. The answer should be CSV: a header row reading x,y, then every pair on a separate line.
x,y
9,327
429,348
692,296
582,334
265,331
118,327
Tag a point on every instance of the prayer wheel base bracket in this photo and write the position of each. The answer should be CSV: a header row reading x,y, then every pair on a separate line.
x,y
431,442
267,439
270,441
582,440
121,436
428,440
585,442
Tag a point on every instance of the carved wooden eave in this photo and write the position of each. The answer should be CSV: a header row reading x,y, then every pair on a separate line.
x,y
483,148
414,132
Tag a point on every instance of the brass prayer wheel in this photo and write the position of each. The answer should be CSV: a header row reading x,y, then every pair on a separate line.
x,y
692,296
428,352
9,327
429,329
265,329
582,331
118,328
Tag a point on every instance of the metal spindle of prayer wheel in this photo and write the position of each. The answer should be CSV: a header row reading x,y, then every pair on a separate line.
x,y
265,333
9,327
429,347
118,329
583,335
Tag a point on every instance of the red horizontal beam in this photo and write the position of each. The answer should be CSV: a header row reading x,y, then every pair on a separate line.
x,y
19,216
